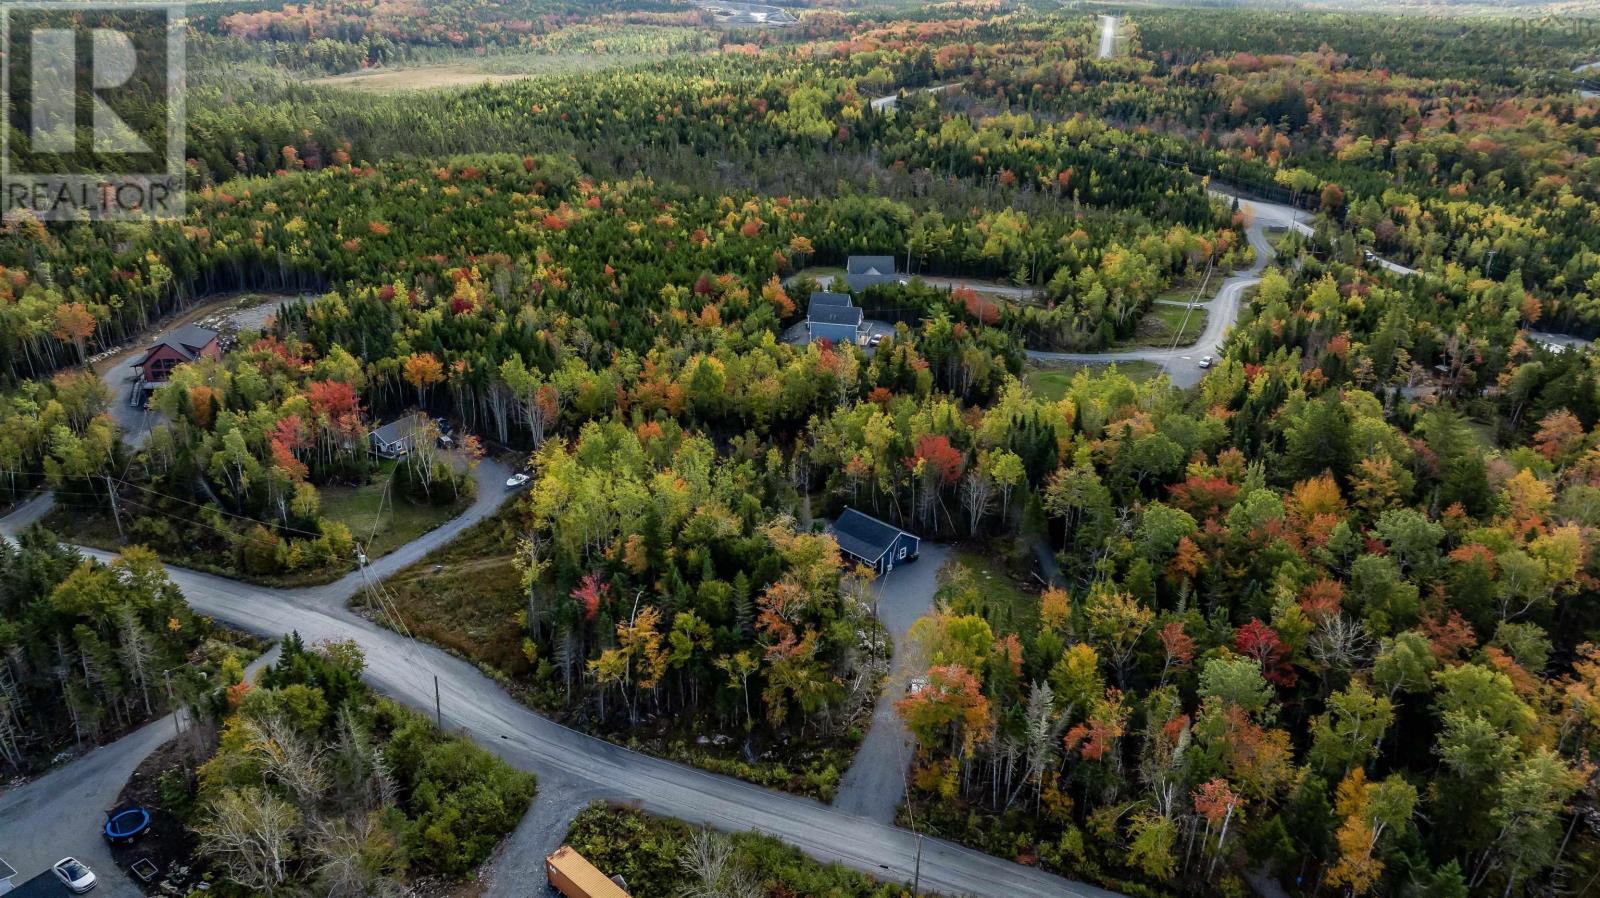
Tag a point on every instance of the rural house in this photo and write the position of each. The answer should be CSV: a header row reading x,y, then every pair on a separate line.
x,y
874,543
180,347
833,317
861,272
394,439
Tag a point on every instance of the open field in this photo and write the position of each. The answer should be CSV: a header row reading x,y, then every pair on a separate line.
x,y
472,73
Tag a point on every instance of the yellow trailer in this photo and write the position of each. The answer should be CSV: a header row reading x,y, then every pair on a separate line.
x,y
575,877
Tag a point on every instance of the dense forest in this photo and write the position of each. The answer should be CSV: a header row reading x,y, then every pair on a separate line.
x,y
1327,616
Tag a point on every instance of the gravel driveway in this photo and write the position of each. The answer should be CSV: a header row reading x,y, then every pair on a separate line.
x,y
875,784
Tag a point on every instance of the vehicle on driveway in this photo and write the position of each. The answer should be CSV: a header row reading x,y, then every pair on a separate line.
x,y
875,340
1207,361
516,481
74,875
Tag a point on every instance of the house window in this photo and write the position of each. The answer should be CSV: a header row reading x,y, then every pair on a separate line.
x,y
902,552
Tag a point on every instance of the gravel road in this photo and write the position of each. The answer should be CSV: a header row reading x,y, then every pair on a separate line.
x,y
575,768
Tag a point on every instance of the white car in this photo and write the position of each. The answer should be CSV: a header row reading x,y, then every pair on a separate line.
x,y
1207,361
875,340
74,875
516,480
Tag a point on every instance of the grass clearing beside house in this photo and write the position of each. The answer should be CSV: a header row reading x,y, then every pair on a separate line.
x,y
1010,602
466,597
382,523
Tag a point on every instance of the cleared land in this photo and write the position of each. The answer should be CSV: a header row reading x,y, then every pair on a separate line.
x,y
492,70
1052,382
383,523
1163,325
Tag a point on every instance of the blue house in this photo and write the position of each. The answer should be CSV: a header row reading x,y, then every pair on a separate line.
x,y
832,316
874,543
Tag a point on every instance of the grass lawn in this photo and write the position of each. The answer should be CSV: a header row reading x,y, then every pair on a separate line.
x,y
1161,326
1051,383
399,522
1011,604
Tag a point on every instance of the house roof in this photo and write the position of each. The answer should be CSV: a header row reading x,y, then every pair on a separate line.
x,y
824,298
394,431
863,535
186,341
870,265
850,315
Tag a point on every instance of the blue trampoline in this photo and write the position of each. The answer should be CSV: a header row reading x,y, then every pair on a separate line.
x,y
127,824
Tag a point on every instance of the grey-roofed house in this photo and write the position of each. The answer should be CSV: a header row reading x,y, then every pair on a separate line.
x,y
182,346
394,439
861,272
832,316
874,543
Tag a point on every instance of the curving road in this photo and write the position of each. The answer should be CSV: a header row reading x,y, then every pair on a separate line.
x,y
1182,363
574,768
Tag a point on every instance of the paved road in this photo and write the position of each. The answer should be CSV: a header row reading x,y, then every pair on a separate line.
x,y
62,812
597,769
1022,294
875,784
1582,71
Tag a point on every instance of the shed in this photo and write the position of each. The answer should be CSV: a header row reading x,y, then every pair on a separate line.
x,y
874,543
861,272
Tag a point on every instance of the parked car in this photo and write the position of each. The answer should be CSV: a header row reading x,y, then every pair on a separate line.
x,y
74,875
875,340
515,481
1207,361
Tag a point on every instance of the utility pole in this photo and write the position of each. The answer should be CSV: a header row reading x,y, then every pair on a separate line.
x,y
438,709
1488,263
916,879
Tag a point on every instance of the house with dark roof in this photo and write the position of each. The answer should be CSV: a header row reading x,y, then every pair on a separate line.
x,y
833,317
182,346
874,543
861,272
395,439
